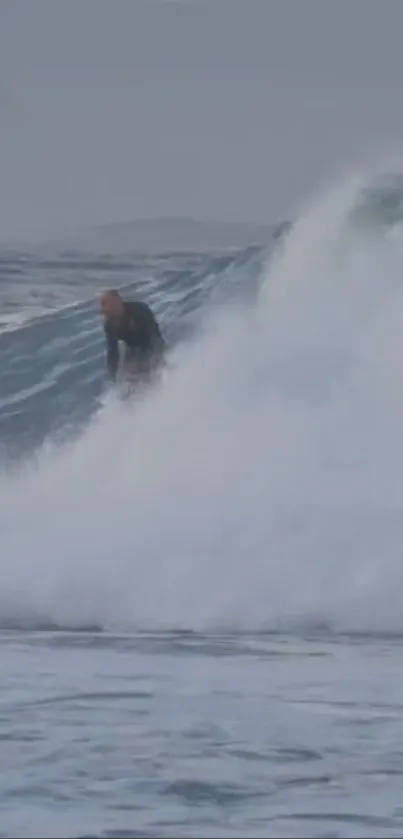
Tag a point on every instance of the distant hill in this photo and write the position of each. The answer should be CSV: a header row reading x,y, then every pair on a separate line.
x,y
156,236
170,234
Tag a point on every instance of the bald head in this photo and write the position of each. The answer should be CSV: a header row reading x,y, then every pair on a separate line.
x,y
111,304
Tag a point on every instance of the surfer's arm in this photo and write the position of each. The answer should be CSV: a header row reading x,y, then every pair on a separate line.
x,y
157,342
112,353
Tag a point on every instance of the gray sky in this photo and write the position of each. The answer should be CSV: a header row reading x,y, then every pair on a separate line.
x,y
113,110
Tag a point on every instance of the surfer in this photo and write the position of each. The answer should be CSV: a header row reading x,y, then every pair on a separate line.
x,y
135,325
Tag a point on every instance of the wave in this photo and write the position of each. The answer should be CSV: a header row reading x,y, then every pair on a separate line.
x,y
259,487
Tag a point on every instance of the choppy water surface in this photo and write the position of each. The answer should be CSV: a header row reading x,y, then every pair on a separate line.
x,y
197,735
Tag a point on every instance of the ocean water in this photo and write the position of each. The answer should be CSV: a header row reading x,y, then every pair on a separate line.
x,y
200,609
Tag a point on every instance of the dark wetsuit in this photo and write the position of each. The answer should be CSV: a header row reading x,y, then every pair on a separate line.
x,y
139,330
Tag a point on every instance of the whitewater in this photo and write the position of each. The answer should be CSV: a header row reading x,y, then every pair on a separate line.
x,y
210,573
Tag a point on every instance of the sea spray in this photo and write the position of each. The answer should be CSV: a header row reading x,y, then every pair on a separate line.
x,y
260,485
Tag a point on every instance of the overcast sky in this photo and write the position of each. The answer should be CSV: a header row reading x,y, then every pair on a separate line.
x,y
113,110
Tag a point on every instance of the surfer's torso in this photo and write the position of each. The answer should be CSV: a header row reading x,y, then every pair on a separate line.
x,y
139,331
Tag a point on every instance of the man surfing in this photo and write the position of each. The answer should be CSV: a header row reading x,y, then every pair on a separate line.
x,y
135,325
